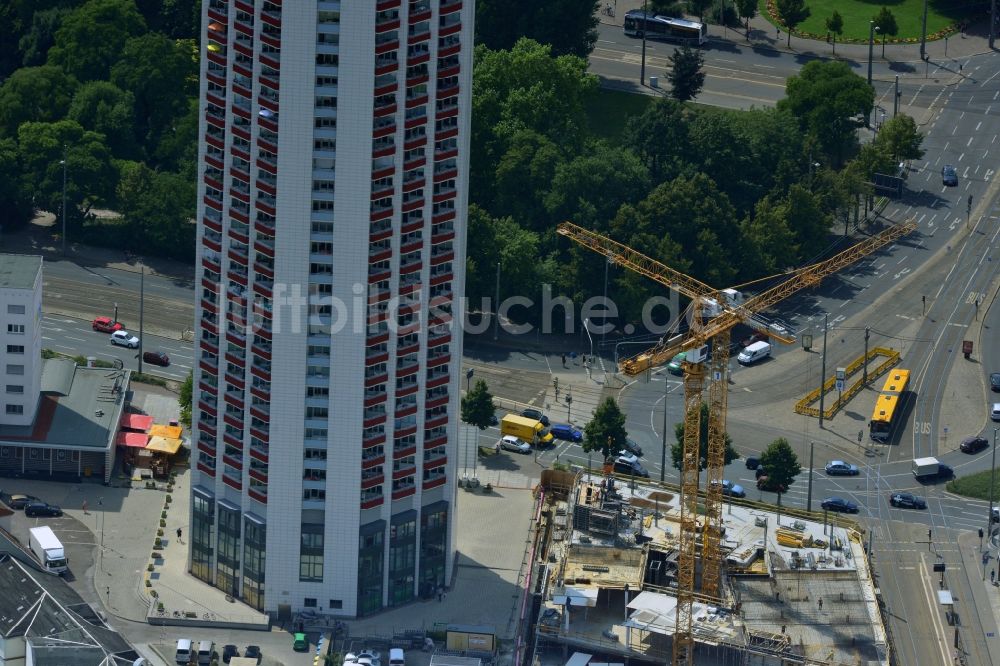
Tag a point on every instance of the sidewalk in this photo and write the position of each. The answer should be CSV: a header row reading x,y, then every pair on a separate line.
x,y
986,595
903,59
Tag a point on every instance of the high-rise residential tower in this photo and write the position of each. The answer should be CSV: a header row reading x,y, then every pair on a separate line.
x,y
333,151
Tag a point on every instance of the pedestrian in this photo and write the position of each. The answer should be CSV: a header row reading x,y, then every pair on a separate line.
x,y
821,604
85,512
564,360
440,594
993,575
178,534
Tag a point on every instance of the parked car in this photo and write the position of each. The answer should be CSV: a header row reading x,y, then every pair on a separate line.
x,y
907,501
515,444
300,643
156,358
676,365
566,432
840,505
106,325
632,447
730,489
253,651
623,466
18,501
124,339
42,509
840,468
630,458
228,652
995,381
995,412
756,336
753,462
974,444
949,177
759,472
537,415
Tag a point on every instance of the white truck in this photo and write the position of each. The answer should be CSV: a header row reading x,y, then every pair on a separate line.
x,y
45,545
930,469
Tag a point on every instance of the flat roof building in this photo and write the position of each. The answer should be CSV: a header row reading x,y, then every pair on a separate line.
x,y
20,337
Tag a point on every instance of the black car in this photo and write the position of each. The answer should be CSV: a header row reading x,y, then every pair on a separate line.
x,y
753,462
974,444
42,509
18,501
228,652
156,358
630,470
907,501
537,415
759,472
949,177
995,381
840,505
253,652
632,447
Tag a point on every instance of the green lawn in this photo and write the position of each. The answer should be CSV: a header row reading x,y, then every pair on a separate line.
x,y
857,14
975,485
609,110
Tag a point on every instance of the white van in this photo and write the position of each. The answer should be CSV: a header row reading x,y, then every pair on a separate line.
x,y
183,655
754,352
995,412
205,650
397,657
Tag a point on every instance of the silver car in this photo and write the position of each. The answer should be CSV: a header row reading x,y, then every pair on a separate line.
x,y
515,444
124,339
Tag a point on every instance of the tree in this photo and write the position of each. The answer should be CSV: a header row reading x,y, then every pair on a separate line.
x,y
161,75
15,196
885,23
157,207
677,448
568,26
698,7
177,19
103,107
792,13
500,240
659,137
34,94
747,9
90,173
91,38
35,44
826,97
522,176
525,88
781,466
835,25
478,408
592,187
185,397
900,138
685,75
606,430
665,7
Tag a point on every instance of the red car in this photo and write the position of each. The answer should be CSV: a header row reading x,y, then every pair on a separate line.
x,y
106,325
156,358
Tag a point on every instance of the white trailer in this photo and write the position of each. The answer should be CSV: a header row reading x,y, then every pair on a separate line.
x,y
45,545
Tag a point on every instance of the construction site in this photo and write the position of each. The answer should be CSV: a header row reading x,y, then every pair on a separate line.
x,y
794,588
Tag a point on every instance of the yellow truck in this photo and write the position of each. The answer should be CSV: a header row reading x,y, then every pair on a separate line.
x,y
530,430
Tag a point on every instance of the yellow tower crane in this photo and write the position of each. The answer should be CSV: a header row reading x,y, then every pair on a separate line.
x,y
727,313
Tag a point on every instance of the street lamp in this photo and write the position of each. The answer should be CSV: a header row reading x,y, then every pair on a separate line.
x,y
872,28
923,35
64,163
642,67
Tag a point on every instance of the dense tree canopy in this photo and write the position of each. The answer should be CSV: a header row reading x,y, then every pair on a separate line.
x,y
107,109
826,96
91,38
570,26
34,94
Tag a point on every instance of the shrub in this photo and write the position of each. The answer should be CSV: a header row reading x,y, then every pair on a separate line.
x,y
149,583
153,594
163,514
159,532
169,499
163,523
149,567
157,543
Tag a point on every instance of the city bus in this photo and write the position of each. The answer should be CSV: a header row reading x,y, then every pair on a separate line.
x,y
888,405
665,28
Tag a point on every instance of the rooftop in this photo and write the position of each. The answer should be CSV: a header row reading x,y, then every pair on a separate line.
x,y
54,621
19,271
79,408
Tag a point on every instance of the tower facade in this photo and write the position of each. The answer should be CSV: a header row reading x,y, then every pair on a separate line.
x,y
332,200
